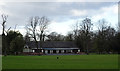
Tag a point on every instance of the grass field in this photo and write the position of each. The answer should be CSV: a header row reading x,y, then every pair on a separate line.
x,y
64,62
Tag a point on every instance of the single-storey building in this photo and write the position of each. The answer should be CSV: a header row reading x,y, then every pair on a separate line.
x,y
52,47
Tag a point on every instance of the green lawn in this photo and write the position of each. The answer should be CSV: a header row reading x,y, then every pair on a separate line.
x,y
64,62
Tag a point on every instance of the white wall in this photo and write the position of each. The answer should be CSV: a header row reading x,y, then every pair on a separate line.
x,y
27,50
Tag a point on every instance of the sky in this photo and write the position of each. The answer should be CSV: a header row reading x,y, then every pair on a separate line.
x,y
62,15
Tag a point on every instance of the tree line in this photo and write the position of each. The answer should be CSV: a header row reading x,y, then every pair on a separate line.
x,y
105,40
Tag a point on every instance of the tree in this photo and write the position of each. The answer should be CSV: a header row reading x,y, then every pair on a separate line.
x,y
101,36
76,30
17,44
117,43
32,28
78,35
4,18
105,40
11,35
27,38
43,24
110,34
85,27
79,39
39,32
82,34
105,37
69,37
54,36
60,37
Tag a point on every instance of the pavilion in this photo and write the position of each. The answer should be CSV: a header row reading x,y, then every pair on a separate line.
x,y
52,47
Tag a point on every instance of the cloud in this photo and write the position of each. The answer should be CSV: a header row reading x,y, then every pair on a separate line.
x,y
109,13
2,3
59,12
113,9
79,12
62,27
59,0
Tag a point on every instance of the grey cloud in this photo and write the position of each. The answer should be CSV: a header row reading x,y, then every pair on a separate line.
x,y
57,11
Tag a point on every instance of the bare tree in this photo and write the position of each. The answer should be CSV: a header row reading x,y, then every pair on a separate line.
x,y
4,18
32,28
37,29
76,30
102,27
43,25
85,27
82,34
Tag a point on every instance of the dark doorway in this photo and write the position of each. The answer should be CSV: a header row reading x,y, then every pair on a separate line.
x,y
36,50
64,51
54,51
43,51
48,51
75,50
59,51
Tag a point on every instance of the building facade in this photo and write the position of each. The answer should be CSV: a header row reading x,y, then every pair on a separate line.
x,y
52,47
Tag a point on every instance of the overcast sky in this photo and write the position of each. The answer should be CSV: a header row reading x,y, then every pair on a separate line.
x,y
61,14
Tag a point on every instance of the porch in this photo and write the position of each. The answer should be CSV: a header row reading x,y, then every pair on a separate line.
x,y
57,50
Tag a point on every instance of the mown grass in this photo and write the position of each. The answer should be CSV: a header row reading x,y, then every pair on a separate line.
x,y
64,62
